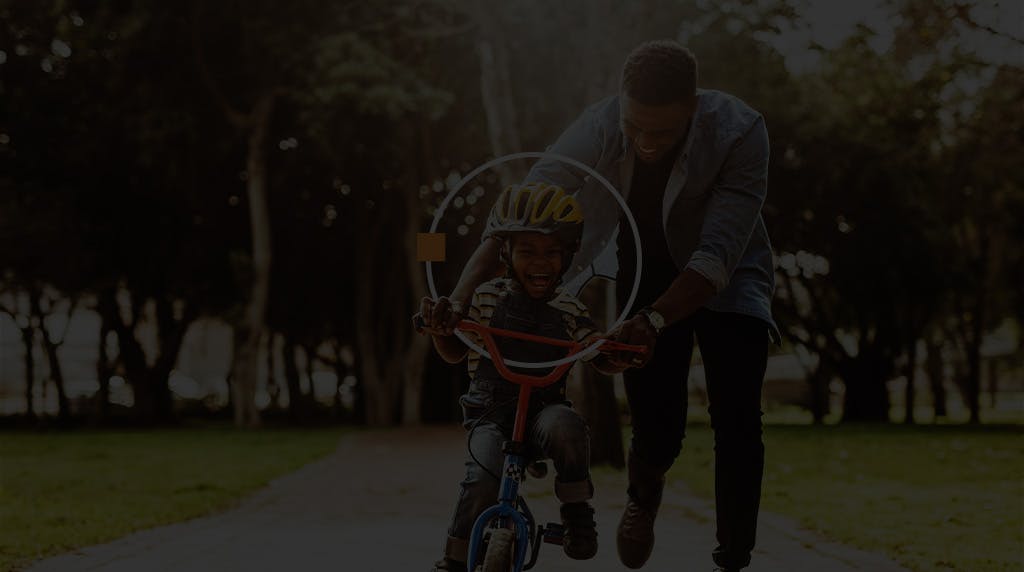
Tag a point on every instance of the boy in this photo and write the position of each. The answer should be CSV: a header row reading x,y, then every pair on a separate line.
x,y
540,227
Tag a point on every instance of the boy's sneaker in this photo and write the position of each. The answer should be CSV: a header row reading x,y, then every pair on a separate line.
x,y
448,565
580,541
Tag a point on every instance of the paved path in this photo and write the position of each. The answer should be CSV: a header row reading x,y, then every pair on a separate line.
x,y
381,503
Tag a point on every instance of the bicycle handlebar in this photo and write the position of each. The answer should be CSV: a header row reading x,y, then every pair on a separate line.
x,y
488,333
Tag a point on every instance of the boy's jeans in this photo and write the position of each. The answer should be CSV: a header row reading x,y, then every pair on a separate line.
x,y
556,432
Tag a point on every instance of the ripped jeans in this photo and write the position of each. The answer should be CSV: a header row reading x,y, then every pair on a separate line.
x,y
554,431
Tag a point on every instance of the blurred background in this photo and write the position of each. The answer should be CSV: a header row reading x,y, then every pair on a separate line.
x,y
208,210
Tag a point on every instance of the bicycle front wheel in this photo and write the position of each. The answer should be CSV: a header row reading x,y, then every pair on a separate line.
x,y
500,549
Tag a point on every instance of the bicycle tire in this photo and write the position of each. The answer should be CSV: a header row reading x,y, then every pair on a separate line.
x,y
500,549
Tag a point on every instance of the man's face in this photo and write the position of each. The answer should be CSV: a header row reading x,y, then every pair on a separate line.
x,y
654,130
536,262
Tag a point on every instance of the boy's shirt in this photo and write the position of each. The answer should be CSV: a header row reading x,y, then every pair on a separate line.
x,y
575,321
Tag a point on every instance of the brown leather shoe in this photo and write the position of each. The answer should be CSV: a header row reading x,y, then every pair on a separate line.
x,y
635,535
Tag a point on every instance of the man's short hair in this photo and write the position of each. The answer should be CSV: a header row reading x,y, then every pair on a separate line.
x,y
659,72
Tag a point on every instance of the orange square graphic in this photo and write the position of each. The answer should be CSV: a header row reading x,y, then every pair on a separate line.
x,y
430,246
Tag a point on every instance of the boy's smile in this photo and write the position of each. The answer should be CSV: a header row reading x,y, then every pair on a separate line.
x,y
537,262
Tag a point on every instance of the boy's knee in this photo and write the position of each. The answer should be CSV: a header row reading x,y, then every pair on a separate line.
x,y
565,424
574,491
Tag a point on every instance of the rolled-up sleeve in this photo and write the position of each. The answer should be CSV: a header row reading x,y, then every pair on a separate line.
x,y
733,207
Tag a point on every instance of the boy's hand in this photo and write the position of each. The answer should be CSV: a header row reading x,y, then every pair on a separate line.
x,y
440,316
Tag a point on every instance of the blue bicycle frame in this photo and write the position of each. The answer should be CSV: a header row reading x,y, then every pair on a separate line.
x,y
504,512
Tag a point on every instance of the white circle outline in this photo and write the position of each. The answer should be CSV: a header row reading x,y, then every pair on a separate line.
x,y
611,189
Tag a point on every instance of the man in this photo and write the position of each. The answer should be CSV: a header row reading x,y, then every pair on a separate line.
x,y
693,165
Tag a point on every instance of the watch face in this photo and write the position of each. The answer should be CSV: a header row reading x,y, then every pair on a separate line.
x,y
656,319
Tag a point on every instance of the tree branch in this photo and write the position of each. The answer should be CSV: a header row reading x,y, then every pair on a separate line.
x,y
963,12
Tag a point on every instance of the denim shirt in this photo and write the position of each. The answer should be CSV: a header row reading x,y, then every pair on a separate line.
x,y
711,211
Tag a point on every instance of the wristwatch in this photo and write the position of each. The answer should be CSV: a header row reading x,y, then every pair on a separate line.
x,y
655,318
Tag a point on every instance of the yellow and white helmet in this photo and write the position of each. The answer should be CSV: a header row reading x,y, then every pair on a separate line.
x,y
538,207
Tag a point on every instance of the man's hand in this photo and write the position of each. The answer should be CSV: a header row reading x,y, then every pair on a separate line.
x,y
440,316
636,331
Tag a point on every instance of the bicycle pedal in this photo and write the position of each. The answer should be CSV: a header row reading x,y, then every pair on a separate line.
x,y
554,533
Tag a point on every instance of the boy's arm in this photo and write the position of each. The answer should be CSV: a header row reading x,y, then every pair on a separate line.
x,y
450,348
483,265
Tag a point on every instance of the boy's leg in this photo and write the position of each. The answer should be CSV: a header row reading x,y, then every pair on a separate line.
x,y
657,400
735,352
563,436
478,490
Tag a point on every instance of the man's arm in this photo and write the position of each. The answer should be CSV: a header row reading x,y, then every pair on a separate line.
x,y
483,265
733,209
687,293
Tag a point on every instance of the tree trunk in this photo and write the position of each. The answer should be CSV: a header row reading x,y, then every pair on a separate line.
x,y
416,351
104,370
57,375
50,348
106,306
152,394
496,90
976,327
296,402
249,334
373,296
973,381
310,398
338,364
867,398
28,337
936,377
359,406
391,354
911,376
819,380
993,382
273,386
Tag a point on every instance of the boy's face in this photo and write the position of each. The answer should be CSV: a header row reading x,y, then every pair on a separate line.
x,y
536,262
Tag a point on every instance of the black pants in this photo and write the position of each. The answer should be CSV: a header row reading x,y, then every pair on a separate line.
x,y
734,349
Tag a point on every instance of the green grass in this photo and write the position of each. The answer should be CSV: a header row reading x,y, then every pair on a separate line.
x,y
60,491
933,498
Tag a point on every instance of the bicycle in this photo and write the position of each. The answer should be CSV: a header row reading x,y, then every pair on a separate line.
x,y
507,531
